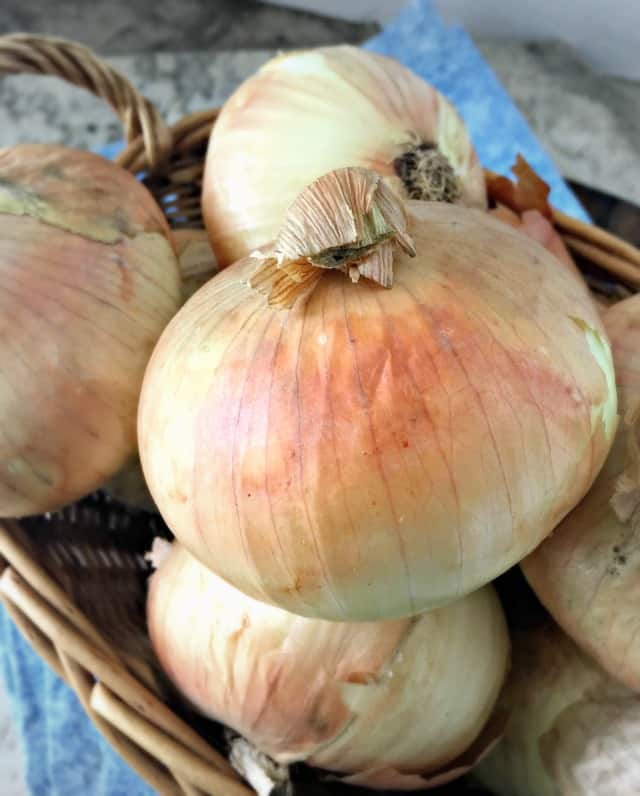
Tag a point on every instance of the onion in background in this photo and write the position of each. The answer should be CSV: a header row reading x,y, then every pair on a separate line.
x,y
88,280
571,731
390,705
587,573
306,113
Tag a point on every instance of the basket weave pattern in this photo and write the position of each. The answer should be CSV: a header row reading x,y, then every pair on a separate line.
x,y
117,690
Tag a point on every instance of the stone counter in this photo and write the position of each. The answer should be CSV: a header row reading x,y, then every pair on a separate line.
x,y
589,123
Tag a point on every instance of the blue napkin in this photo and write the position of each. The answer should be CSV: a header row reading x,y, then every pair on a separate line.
x,y
65,755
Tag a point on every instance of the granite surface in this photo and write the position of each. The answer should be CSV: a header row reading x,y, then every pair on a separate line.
x,y
590,124
126,26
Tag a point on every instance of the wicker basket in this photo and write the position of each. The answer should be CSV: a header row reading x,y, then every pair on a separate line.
x,y
45,560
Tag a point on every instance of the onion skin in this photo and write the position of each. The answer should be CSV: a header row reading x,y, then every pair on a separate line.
x,y
587,573
536,226
307,113
88,280
388,702
572,730
350,459
196,259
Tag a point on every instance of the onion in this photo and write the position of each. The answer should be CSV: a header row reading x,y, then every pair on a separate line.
x,y
588,572
196,259
374,453
306,113
88,280
540,229
572,731
391,704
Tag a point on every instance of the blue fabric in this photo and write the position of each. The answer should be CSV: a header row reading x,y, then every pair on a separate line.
x,y
64,754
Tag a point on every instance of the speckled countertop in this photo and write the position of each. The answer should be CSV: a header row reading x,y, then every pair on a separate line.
x,y
589,123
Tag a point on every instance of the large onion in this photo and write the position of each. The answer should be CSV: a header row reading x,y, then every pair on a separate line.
x,y
588,572
385,702
373,453
306,113
88,280
572,731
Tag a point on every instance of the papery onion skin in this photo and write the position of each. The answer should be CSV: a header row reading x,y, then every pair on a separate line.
x,y
373,453
88,280
196,259
588,572
572,730
306,113
406,696
536,226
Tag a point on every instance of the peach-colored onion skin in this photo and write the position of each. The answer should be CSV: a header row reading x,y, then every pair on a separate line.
x,y
536,226
587,573
572,730
88,280
307,113
387,701
373,453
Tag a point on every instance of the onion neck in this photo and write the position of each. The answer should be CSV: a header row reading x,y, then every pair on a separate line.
x,y
427,175
348,220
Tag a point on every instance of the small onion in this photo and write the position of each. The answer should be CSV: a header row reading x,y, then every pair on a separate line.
x,y
571,731
88,280
306,113
390,704
373,453
588,572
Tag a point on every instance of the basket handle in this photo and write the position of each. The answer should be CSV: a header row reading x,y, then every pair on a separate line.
x,y
22,53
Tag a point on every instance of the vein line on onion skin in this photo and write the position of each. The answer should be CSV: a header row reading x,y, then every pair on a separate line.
x,y
196,512
525,383
517,366
504,349
399,536
283,557
343,488
480,404
447,461
87,386
57,301
558,308
428,416
303,496
249,558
